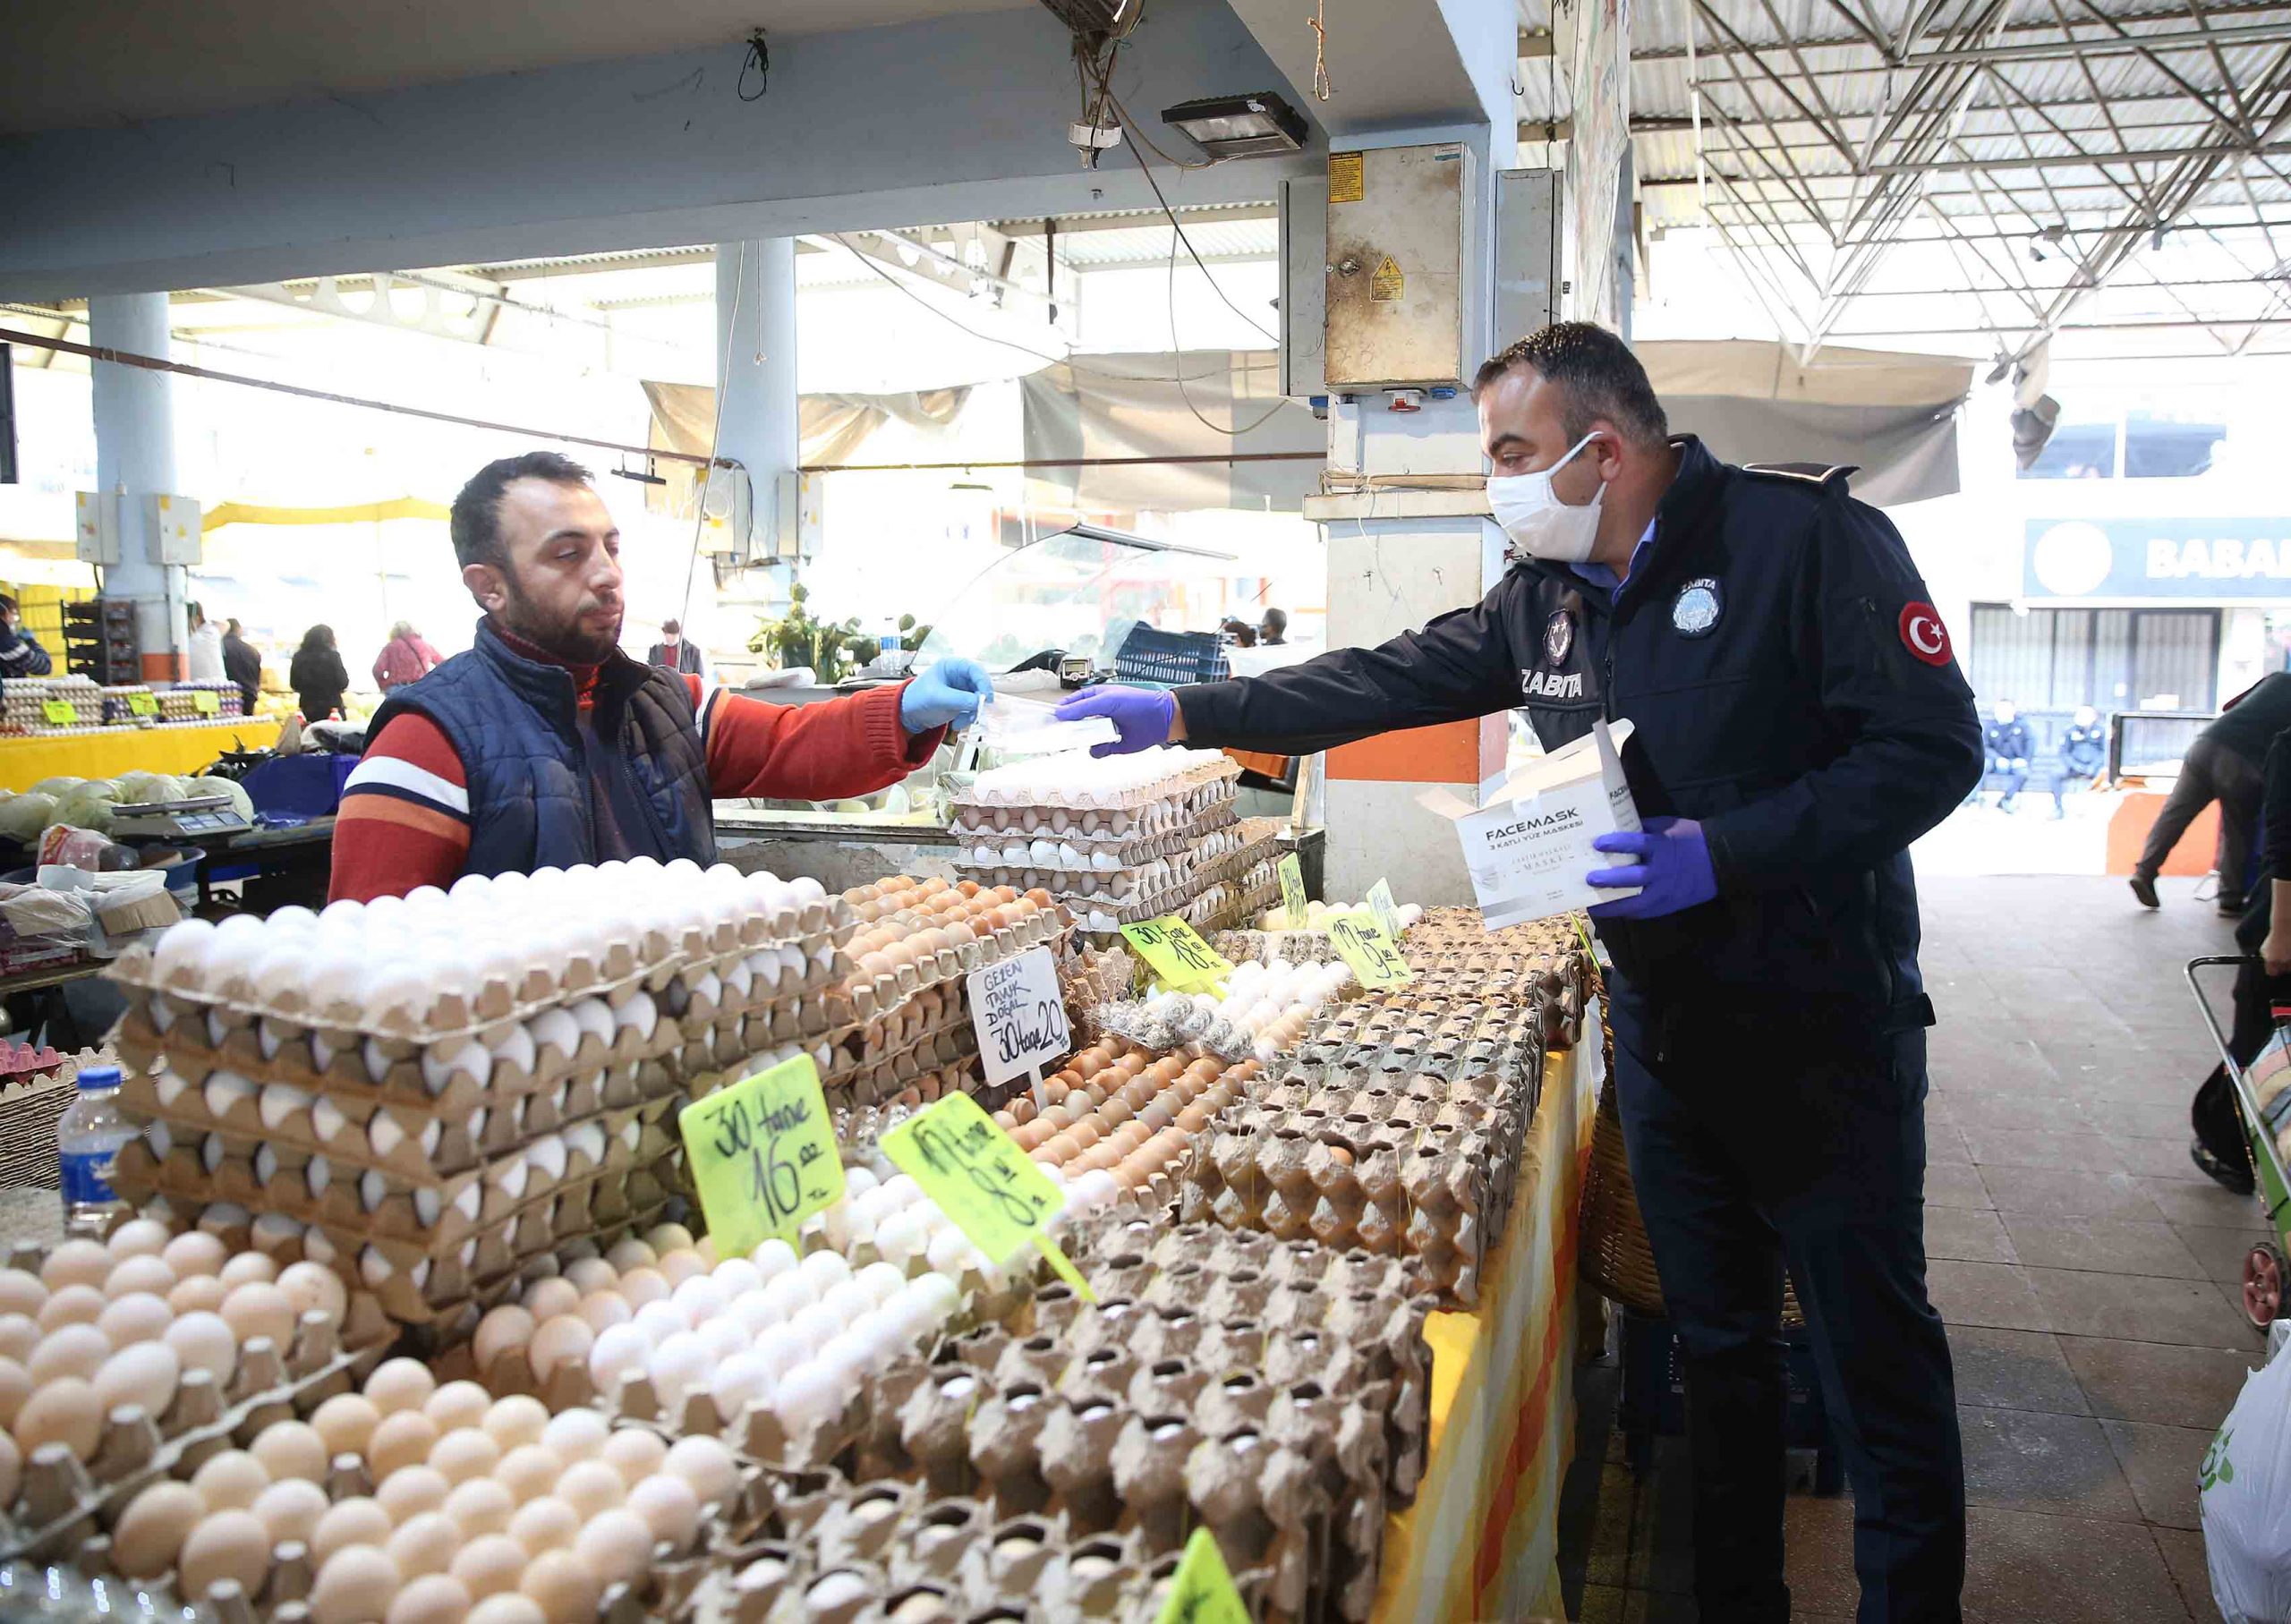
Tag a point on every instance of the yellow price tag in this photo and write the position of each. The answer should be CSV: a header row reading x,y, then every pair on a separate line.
x,y
980,1177
204,701
1292,890
763,1156
1174,952
1387,911
1361,942
59,712
1201,1591
142,704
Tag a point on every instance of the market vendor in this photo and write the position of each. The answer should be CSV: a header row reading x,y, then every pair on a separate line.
x,y
1800,720
545,745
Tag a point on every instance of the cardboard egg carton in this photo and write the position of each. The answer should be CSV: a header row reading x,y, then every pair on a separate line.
x,y
1052,848
873,995
1202,777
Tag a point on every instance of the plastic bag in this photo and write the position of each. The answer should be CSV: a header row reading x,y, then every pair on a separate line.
x,y
2246,1483
82,848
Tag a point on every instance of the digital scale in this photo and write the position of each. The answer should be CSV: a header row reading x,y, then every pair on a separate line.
x,y
189,820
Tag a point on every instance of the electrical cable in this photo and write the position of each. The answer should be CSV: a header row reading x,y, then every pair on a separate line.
x,y
715,431
1177,349
1146,170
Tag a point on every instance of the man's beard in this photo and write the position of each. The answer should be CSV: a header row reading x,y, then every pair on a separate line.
x,y
566,639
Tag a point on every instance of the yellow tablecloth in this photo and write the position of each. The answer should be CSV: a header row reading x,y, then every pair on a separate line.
x,y
1481,1540
179,747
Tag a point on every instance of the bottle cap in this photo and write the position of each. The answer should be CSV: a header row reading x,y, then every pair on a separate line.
x,y
100,1076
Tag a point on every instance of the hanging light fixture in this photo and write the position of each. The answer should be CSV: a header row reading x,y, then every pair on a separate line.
x,y
1240,126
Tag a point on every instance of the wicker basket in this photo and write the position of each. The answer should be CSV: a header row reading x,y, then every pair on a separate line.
x,y
1617,1257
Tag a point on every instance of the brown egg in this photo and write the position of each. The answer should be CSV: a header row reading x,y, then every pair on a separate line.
x,y
1040,899
1061,1147
1094,1094
959,934
1192,1119
1115,1111
1156,1115
1084,1134
1022,1109
876,965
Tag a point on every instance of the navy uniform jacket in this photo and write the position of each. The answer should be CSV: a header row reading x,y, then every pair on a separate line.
x,y
1791,689
2084,751
2008,741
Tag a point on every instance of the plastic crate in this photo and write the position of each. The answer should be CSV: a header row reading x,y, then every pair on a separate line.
x,y
1171,658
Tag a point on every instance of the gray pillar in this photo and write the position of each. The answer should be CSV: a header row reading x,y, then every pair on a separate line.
x,y
756,348
135,455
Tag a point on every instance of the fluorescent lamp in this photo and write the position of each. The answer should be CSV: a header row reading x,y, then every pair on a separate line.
x,y
1240,126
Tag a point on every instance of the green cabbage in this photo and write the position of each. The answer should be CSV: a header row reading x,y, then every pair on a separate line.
x,y
140,787
56,787
222,786
23,816
88,806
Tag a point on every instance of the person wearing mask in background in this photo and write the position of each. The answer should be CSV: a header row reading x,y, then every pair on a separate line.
x,y
545,745
1800,721
204,661
405,657
242,664
21,654
1272,631
2008,748
2223,764
676,652
2084,755
318,675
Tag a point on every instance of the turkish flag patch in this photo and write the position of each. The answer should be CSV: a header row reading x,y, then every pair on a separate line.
x,y
1923,634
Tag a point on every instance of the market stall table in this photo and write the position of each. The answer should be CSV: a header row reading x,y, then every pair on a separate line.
x,y
181,748
1481,1540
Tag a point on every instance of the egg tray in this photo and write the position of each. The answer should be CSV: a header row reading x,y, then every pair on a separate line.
x,y
1448,1035
907,1557
637,1139
1426,1171
1209,777
1097,852
64,1504
872,995
1201,860
1132,1020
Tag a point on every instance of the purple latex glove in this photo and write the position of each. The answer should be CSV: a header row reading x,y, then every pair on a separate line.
x,y
1671,870
1143,717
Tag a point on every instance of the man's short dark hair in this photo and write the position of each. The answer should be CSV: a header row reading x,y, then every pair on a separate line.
x,y
1275,621
476,524
1598,377
671,627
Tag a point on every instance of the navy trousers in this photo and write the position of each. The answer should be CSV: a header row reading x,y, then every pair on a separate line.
x,y
1753,1144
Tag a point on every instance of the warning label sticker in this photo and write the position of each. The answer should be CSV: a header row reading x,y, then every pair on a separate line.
x,y
1387,284
1348,179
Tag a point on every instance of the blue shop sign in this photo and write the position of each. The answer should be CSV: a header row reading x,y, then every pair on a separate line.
x,y
2202,559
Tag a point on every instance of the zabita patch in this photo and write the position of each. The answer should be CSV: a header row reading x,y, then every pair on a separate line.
x,y
1552,684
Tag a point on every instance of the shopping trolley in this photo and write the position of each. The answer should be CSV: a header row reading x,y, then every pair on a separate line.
x,y
2264,1092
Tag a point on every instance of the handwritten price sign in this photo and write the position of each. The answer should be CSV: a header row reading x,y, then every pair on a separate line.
x,y
1292,890
1175,953
142,704
1020,1015
1387,911
204,701
59,712
1201,1591
981,1178
1361,942
763,1156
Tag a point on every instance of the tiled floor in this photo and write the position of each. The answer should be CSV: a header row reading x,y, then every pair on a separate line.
x,y
2086,1272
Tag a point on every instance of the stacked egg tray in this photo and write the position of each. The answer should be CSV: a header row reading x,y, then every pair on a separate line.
x,y
178,703
1066,854
1277,1393
23,701
846,1554
1417,1167
1260,1010
475,1125
1196,860
918,940
1546,964
1077,798
118,706
1116,1110
64,1491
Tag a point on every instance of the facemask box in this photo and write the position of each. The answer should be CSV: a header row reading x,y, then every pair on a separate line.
x,y
1528,849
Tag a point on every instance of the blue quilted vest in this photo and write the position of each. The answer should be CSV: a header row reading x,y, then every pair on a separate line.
x,y
515,723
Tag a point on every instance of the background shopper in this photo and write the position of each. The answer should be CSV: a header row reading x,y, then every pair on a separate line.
x,y
2224,765
2008,748
318,675
406,658
242,664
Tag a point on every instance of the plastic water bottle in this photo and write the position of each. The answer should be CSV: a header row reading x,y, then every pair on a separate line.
x,y
87,1138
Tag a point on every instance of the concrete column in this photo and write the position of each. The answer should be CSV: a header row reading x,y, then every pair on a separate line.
x,y
755,348
135,455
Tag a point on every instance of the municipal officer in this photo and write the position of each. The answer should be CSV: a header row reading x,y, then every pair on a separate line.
x,y
1799,722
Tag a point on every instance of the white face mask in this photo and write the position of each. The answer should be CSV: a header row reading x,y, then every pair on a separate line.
x,y
1538,523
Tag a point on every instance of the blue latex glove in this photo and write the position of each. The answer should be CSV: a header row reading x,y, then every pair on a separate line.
x,y
947,694
1671,867
1143,717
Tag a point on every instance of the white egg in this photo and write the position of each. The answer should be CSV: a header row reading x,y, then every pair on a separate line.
x,y
183,950
618,1350
774,1257
677,1366
811,1394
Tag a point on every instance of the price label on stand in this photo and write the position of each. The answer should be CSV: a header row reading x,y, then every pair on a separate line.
x,y
59,712
1174,952
204,701
1019,1015
143,704
1201,1591
1292,890
1361,942
1381,903
980,1178
763,1156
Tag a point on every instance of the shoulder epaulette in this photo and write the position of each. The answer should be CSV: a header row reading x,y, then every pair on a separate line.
x,y
1823,474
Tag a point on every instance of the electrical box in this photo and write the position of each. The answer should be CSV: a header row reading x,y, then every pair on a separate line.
x,y
98,535
176,537
1528,284
802,514
1398,244
724,512
1304,272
